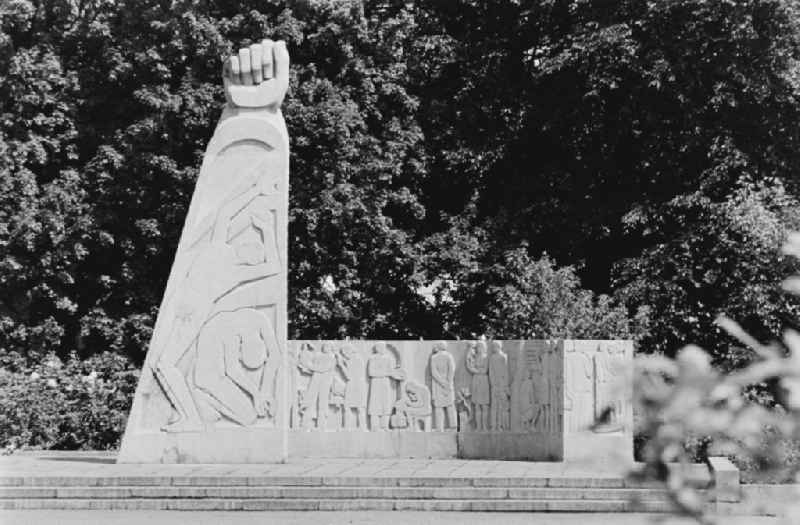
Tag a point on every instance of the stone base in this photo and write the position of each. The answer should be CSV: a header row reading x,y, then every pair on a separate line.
x,y
510,445
222,445
597,448
363,444
255,445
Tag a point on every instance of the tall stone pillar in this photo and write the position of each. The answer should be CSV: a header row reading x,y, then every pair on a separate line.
x,y
213,388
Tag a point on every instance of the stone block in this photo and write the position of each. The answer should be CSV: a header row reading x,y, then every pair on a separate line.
x,y
243,492
206,481
359,481
488,505
430,481
726,479
510,445
495,480
354,505
469,493
11,481
302,481
357,444
96,492
27,492
280,504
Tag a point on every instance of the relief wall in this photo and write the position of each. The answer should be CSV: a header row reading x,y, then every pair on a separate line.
x,y
465,386
597,391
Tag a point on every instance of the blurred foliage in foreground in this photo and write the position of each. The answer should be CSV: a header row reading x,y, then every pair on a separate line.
x,y
686,398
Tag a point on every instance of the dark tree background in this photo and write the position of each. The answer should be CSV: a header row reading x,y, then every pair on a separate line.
x,y
584,168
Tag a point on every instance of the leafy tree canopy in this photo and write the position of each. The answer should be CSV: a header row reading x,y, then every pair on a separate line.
x,y
650,148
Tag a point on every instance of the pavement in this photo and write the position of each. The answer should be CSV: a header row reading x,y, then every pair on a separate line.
x,y
55,517
103,464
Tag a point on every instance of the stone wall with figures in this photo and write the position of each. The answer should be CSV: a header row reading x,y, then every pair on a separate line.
x,y
512,399
470,386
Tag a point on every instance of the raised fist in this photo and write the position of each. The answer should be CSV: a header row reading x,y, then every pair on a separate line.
x,y
258,76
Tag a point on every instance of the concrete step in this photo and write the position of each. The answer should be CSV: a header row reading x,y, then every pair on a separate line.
x,y
332,493
267,504
318,481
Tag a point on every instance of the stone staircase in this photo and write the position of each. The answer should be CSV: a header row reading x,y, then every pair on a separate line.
x,y
331,493
329,485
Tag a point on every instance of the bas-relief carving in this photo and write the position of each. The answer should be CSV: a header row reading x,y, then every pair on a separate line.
x,y
319,364
382,369
234,372
443,371
413,409
552,362
595,392
221,329
579,379
353,368
609,368
477,363
536,388
499,388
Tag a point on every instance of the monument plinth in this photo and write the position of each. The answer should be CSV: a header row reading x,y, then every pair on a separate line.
x,y
222,384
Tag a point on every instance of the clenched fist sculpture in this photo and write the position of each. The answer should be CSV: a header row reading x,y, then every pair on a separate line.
x,y
258,76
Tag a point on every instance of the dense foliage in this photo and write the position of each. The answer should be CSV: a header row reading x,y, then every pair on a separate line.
x,y
66,405
439,149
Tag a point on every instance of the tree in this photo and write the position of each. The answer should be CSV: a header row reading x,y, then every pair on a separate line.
x,y
430,141
726,262
107,109
578,126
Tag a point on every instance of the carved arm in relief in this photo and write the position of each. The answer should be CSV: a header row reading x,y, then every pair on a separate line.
x,y
273,364
231,348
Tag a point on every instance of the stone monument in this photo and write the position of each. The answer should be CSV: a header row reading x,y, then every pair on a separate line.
x,y
222,384
212,366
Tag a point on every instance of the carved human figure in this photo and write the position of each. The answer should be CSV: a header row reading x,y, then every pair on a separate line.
x,y
602,384
316,400
355,392
554,386
214,260
218,268
579,377
292,403
464,409
518,370
609,366
381,371
542,419
443,372
527,404
477,364
617,370
237,361
499,387
415,406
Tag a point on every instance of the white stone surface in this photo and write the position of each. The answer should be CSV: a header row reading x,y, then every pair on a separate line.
x,y
217,349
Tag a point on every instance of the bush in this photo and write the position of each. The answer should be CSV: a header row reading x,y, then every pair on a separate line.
x,y
65,405
687,409
516,296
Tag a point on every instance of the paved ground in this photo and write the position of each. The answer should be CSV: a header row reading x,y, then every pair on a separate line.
x,y
103,464
35,517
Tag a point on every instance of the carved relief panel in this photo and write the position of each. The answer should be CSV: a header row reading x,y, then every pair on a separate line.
x,y
597,389
220,336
